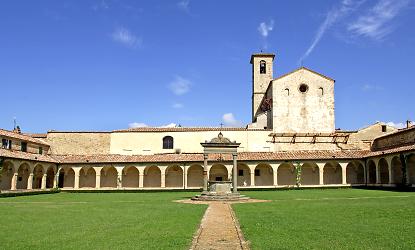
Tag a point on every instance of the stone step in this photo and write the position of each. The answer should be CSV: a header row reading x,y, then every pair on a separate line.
x,y
220,197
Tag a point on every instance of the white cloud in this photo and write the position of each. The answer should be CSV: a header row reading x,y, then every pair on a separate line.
x,y
180,85
371,87
345,8
396,125
125,37
137,125
177,105
170,125
264,28
375,23
101,5
230,120
184,5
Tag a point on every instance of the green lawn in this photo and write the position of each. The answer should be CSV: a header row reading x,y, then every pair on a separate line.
x,y
98,221
329,219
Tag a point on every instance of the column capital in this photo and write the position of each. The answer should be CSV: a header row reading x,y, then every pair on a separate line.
x,y
205,156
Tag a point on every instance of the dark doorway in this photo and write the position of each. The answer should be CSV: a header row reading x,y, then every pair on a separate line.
x,y
218,178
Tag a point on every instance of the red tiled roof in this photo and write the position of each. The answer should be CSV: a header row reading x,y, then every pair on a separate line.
x,y
186,129
392,150
22,137
245,156
36,135
166,158
26,156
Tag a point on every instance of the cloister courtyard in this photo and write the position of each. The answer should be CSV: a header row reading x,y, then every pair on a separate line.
x,y
292,219
385,171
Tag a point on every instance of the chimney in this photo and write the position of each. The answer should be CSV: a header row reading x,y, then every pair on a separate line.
x,y
408,123
17,130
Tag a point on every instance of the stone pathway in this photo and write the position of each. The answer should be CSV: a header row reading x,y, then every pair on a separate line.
x,y
219,229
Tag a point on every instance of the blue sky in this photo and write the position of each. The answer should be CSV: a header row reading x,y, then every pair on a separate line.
x,y
107,64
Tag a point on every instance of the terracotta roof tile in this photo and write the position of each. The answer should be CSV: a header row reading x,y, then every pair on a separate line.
x,y
251,156
186,129
6,153
392,150
22,137
37,135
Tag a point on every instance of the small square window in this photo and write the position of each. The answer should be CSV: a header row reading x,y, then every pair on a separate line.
x,y
6,144
383,128
240,172
23,146
257,172
19,178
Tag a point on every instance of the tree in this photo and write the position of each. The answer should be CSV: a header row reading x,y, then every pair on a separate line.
x,y
297,166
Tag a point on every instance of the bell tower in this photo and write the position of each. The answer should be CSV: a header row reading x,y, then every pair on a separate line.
x,y
261,77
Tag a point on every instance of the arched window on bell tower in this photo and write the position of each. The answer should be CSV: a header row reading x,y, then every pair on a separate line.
x,y
262,67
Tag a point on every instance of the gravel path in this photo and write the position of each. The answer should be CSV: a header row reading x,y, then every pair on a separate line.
x,y
219,229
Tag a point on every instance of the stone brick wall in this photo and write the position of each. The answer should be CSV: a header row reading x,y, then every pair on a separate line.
x,y
363,138
260,81
31,147
79,142
401,138
303,112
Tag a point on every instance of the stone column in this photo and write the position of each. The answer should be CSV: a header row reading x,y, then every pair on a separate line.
x,y
275,174
205,172
163,176
405,162
97,179
389,161
76,182
184,177
141,178
44,181
364,173
14,182
344,172
235,174
119,179
163,180
30,181
321,173
252,174
377,173
97,176
55,179
119,175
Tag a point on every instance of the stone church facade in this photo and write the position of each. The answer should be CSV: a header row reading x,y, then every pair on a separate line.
x,y
293,127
